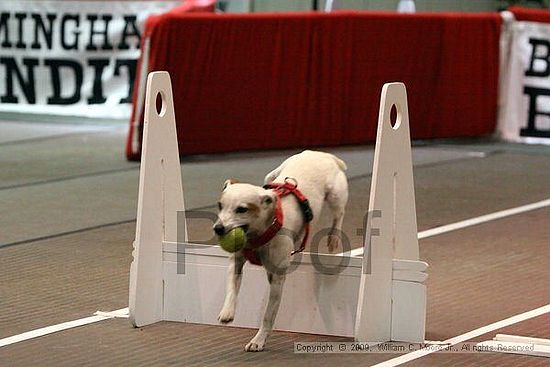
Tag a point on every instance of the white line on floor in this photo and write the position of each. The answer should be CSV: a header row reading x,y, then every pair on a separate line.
x,y
472,222
464,337
64,326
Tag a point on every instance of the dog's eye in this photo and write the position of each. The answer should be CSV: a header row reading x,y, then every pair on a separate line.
x,y
220,206
241,210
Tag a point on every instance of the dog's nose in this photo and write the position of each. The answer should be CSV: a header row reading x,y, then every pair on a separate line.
x,y
219,229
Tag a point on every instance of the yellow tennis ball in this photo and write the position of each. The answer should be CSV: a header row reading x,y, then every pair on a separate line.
x,y
233,240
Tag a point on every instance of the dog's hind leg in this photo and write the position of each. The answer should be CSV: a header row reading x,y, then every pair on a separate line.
x,y
276,282
234,276
337,198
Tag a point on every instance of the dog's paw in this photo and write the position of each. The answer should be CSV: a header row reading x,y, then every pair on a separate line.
x,y
253,346
226,316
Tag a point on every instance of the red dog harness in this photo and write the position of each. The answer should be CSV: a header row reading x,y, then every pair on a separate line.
x,y
290,186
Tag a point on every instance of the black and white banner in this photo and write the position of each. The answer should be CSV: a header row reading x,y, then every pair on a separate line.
x,y
524,113
74,57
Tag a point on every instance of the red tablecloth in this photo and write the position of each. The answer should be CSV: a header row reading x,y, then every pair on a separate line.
x,y
265,81
531,15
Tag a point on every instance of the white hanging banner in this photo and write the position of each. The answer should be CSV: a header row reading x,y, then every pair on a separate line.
x,y
73,58
524,114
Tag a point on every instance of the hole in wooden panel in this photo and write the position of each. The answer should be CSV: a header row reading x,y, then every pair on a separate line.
x,y
395,117
160,104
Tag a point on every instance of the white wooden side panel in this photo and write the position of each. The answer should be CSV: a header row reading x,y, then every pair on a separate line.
x,y
394,234
311,303
160,197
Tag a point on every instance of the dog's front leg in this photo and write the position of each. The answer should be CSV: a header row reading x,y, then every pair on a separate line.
x,y
276,282
234,276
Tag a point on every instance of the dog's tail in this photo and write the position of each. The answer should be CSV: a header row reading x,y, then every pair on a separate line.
x,y
341,164
273,174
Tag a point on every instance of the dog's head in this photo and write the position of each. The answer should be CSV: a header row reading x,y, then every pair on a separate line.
x,y
244,205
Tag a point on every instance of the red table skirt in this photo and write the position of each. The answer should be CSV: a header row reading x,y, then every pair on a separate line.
x,y
531,15
269,81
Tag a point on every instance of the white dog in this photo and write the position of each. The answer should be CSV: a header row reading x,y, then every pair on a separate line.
x,y
320,178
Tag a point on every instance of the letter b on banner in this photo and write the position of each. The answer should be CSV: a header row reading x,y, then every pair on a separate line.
x,y
539,65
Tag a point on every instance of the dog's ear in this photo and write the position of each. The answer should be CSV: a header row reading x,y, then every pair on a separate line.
x,y
268,199
228,182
